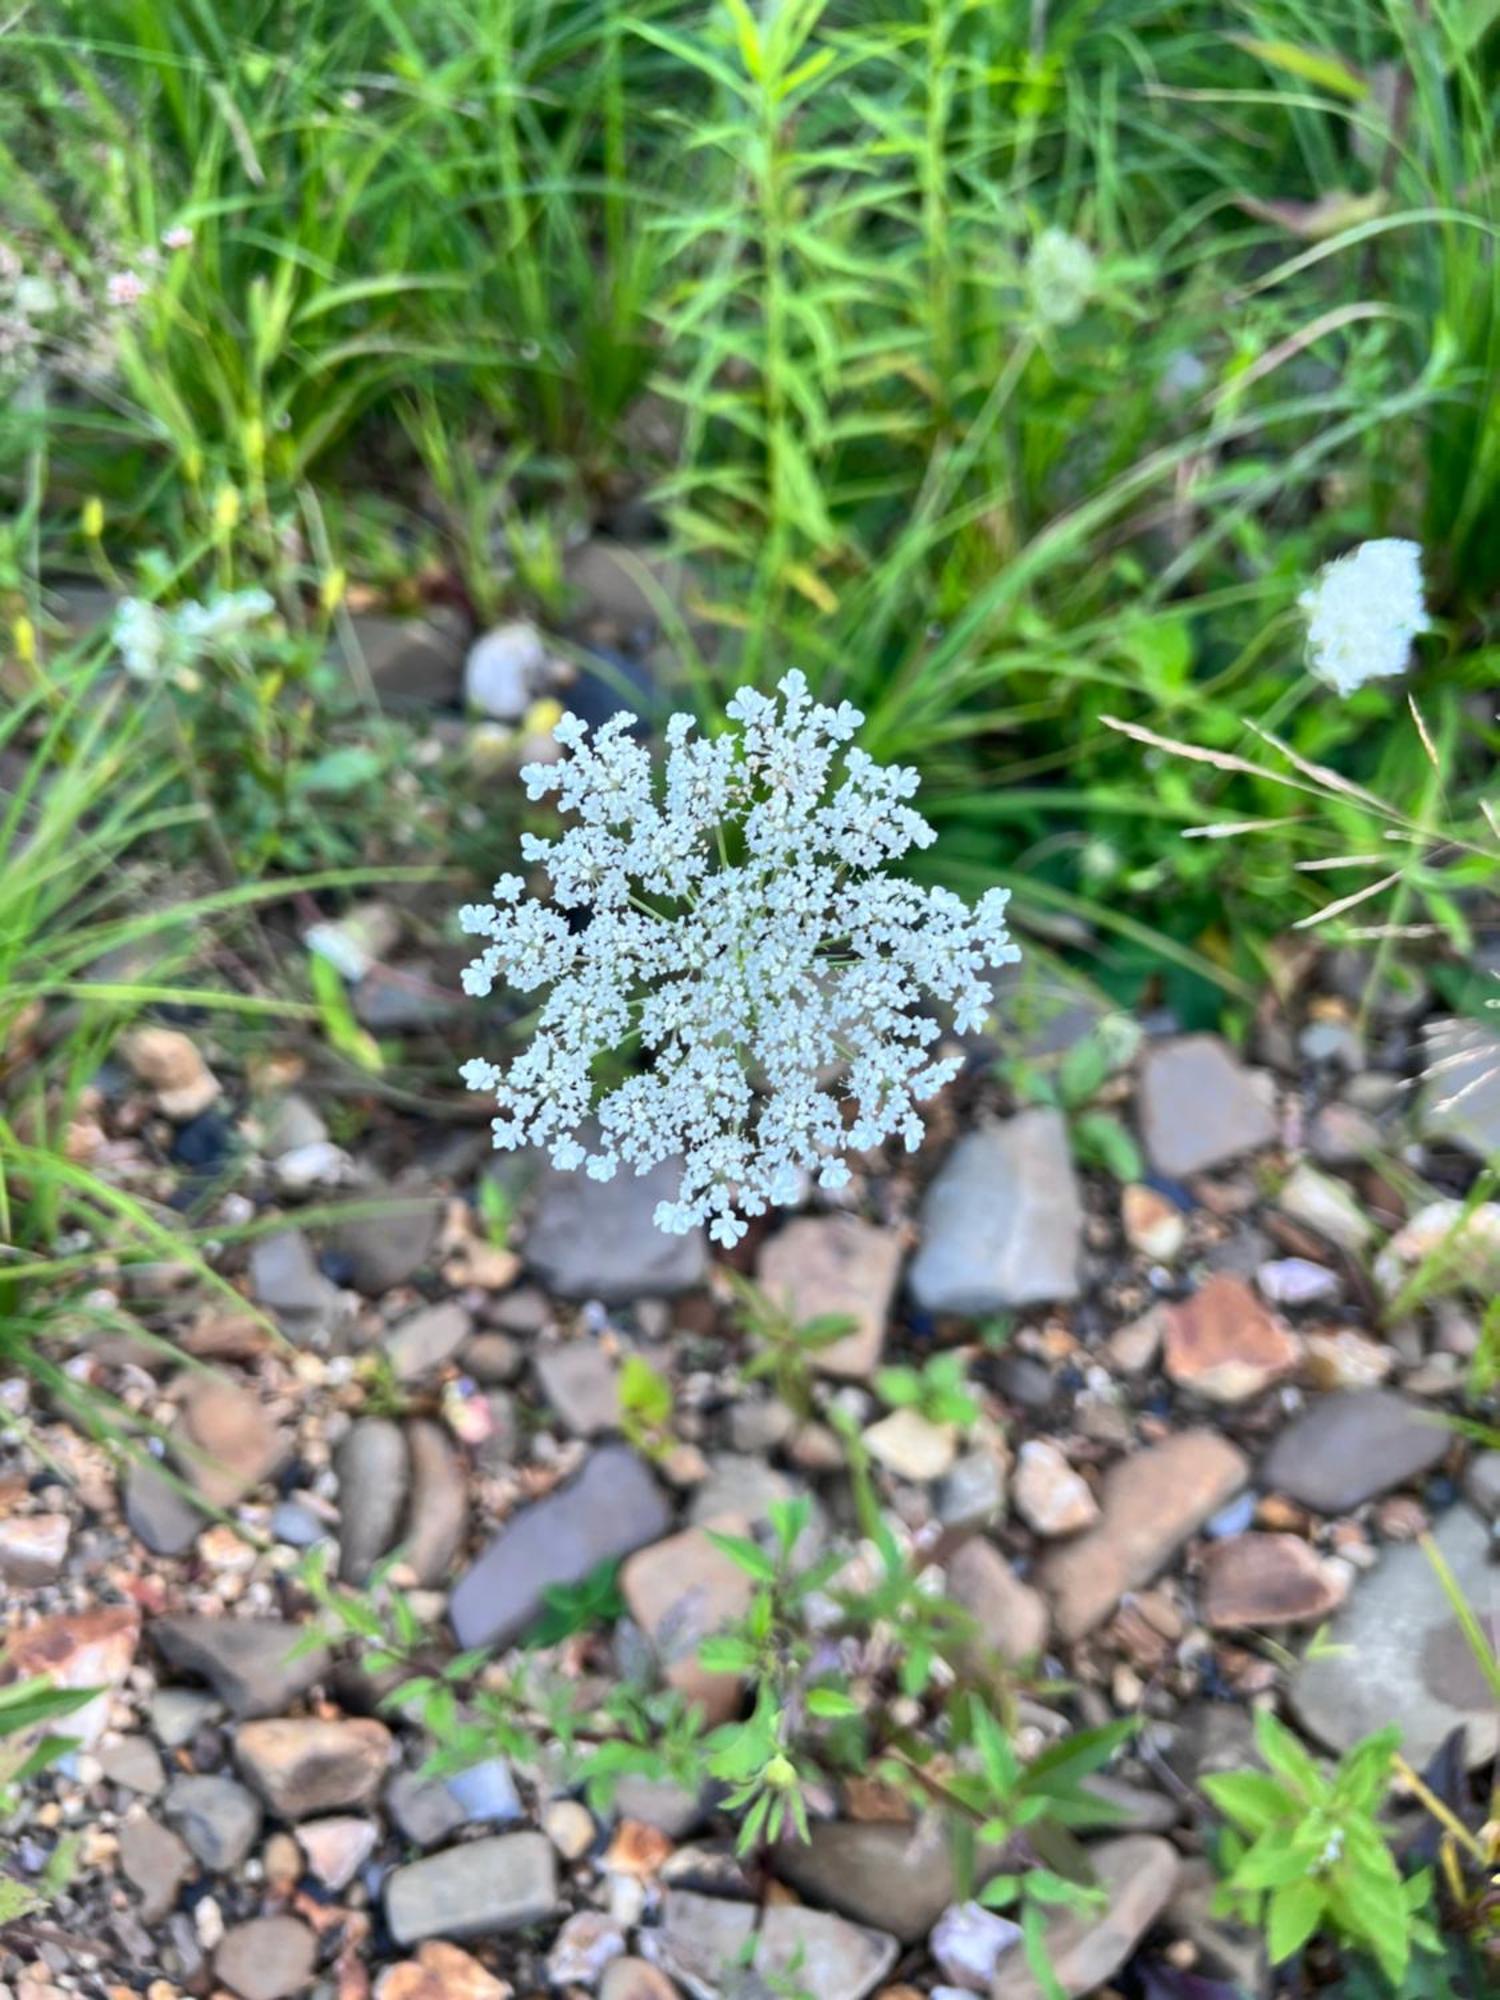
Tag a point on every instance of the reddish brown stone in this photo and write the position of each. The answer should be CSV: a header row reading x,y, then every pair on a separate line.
x,y
1255,1580
1224,1344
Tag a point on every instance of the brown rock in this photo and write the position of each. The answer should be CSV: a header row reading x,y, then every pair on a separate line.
x,y
1224,1344
679,1591
1153,1224
1340,1358
33,1548
437,1505
1133,1348
226,1442
1255,1579
835,1264
77,1649
337,1848
440,1972
1151,1503
303,1765
169,1065
1049,1495
635,1979
270,1958
1011,1616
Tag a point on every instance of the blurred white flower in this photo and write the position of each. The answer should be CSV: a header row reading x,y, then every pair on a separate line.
x,y
178,238
1363,612
1061,275
154,644
125,288
734,921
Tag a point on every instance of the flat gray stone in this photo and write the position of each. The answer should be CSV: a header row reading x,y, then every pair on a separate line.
x,y
218,1818
580,1380
1002,1223
374,1473
247,1661
1460,1101
597,1239
420,1344
1086,1948
424,1810
414,663
1351,1446
612,1508
284,1276
159,1513
502,1883
701,1941
386,1249
822,1953
893,1878
1198,1106
1398,1654
270,1958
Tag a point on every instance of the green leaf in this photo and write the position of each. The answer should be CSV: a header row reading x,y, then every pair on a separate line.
x,y
1327,72
1252,1799
831,1703
1295,1911
745,1555
1104,1141
1286,1756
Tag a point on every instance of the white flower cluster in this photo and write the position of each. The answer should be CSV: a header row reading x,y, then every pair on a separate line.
x,y
154,644
1363,612
734,925
1062,275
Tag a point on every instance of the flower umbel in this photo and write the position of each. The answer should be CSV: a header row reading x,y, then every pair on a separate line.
x,y
733,922
1363,612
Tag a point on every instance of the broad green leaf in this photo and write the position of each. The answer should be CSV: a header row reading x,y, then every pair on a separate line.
x,y
1294,1913
1315,66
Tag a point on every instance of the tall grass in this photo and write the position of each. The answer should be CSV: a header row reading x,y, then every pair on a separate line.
x,y
477,275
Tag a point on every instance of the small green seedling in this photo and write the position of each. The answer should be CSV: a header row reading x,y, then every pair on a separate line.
x,y
937,1391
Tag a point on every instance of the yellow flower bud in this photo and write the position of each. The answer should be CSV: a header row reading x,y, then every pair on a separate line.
x,y
335,583
226,509
92,521
23,636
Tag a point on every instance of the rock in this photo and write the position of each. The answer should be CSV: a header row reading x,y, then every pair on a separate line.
x,y
374,1474
219,1820
679,1592
384,1250
492,1358
1295,1281
413,663
738,1489
134,1763
321,1165
1224,1345
1227,1950
1153,1224
702,1940
338,1848
33,1549
1002,1222
1151,1503
270,1958
1138,1873
835,1265
1341,1135
158,1512
619,588
972,1495
153,1860
424,1810
612,1508
820,1952
1344,1359
1482,1483
895,1878
486,1793
968,1941
598,1240
1462,1244
570,1827
1011,1616
912,1446
225,1442
1460,1100
587,1943
1265,1580
440,1972
301,1765
284,1276
1133,1348
505,671
501,1883
581,1382
177,1714
1049,1495
420,1344
635,1979
437,1511
170,1066
247,1661
77,1650
658,1803
1324,1204
1199,1108
1401,1653
297,1525
1349,1448
290,1124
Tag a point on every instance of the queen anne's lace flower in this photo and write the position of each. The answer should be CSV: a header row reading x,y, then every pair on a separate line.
x,y
1363,612
733,925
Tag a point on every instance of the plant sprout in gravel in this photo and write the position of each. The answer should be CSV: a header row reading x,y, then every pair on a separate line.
x,y
735,921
